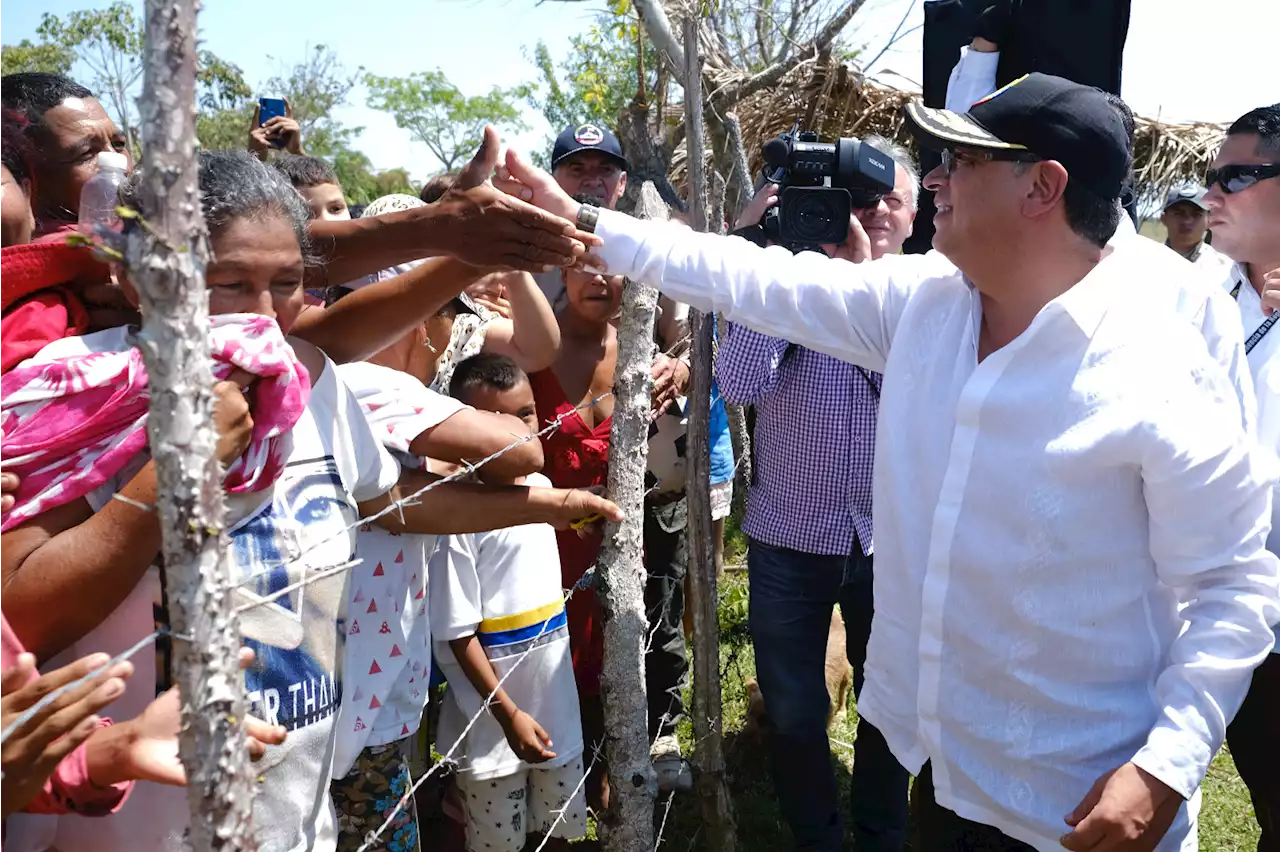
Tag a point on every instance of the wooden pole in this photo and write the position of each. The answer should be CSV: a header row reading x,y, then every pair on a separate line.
x,y
710,783
165,253
633,785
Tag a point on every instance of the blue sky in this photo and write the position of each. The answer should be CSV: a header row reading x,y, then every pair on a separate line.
x,y
482,43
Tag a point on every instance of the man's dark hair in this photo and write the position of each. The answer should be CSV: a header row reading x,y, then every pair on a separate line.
x,y
33,93
1090,215
484,371
1126,118
14,145
306,171
1263,121
436,187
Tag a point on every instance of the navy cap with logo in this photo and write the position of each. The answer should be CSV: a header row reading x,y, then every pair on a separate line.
x,y
1047,116
1189,193
587,137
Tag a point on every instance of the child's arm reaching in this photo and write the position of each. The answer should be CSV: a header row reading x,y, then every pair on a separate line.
x,y
525,736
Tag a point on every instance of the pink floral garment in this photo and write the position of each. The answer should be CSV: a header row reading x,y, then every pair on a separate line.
x,y
77,412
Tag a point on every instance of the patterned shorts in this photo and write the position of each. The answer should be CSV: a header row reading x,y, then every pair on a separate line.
x,y
367,796
502,812
721,499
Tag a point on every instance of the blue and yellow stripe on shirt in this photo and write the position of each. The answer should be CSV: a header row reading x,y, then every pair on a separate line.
x,y
526,629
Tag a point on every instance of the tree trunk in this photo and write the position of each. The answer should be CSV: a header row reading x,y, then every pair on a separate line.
x,y
166,254
628,823
710,782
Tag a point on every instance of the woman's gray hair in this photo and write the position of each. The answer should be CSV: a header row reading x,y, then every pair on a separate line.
x,y
236,185
901,157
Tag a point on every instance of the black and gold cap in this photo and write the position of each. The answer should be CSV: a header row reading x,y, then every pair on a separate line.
x,y
1044,115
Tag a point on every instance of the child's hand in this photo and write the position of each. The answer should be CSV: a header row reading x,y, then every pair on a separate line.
x,y
527,739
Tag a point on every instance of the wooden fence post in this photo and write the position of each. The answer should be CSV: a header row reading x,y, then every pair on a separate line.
x,y
710,782
633,785
165,253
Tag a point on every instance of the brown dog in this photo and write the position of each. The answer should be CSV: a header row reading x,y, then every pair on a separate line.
x,y
839,682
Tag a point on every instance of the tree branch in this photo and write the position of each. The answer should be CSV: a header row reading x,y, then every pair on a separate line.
x,y
655,21
728,97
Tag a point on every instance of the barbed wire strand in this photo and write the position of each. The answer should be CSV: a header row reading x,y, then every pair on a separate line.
x,y
35,709
582,782
464,471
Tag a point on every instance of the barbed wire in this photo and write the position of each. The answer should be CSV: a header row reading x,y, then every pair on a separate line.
x,y
35,709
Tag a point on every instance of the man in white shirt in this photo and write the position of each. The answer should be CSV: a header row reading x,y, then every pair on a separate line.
x,y
1186,220
1072,588
1244,212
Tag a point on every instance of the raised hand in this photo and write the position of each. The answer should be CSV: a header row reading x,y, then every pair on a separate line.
x,y
1271,292
493,230
30,754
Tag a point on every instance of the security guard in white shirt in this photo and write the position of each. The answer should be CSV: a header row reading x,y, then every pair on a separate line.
x,y
1062,466
1186,220
1244,212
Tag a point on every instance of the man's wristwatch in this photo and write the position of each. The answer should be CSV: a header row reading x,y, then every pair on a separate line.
x,y
588,216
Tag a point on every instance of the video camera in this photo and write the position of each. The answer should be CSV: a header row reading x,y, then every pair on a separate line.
x,y
820,185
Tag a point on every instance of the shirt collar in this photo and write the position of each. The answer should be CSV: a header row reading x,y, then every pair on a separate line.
x,y
1088,301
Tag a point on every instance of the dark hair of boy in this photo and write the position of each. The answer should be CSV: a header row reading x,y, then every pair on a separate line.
x,y
485,370
302,170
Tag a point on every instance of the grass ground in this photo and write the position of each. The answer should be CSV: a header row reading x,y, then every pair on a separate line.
x,y
1226,818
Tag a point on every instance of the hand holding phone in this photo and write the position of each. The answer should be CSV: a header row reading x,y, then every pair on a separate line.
x,y
273,126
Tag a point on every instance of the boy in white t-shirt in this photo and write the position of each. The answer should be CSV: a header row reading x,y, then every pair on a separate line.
x,y
498,619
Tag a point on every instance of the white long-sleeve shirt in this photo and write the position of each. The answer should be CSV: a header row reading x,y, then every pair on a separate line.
x,y
1264,365
1041,515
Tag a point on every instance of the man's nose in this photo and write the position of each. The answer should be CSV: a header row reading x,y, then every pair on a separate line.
x,y
936,178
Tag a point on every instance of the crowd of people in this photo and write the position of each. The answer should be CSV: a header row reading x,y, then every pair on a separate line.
x,y
1068,432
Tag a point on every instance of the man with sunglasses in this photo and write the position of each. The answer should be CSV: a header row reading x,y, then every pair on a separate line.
x,y
1244,213
1059,466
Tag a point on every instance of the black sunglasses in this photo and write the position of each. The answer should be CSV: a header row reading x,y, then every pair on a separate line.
x,y
1238,178
952,158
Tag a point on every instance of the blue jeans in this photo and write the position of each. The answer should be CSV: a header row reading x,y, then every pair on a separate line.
x,y
792,594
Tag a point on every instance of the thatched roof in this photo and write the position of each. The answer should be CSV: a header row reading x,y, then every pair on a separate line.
x,y
835,100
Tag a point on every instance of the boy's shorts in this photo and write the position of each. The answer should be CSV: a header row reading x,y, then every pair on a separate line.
x,y
501,812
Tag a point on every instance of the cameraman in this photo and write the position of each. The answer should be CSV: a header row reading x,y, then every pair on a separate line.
x,y
809,523
1072,587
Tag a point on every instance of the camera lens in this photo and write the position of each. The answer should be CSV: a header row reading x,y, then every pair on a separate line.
x,y
815,215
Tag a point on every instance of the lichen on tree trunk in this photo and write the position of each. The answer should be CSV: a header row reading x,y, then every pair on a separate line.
x,y
165,254
628,823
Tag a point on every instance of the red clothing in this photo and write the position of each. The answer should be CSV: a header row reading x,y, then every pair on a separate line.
x,y
38,306
576,457
69,789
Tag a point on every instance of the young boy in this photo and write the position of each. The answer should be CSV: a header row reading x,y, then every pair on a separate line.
x,y
497,616
317,183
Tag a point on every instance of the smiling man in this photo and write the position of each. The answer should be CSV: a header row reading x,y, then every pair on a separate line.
x,y
1071,588
68,128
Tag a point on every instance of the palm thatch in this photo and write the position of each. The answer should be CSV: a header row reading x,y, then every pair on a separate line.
x,y
834,100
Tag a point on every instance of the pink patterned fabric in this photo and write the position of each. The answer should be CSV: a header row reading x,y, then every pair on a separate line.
x,y
72,421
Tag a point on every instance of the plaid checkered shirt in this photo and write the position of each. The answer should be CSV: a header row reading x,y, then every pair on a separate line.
x,y
814,438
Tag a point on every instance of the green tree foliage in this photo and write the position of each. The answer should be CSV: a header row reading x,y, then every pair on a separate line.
x,y
109,42
599,76
440,116
225,103
25,56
